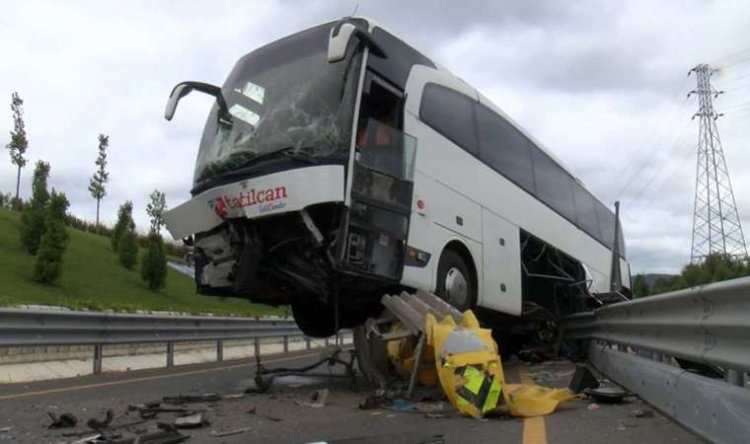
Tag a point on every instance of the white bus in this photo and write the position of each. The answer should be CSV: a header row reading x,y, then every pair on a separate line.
x,y
339,163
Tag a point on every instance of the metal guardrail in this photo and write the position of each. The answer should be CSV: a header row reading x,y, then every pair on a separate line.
x,y
638,344
20,328
709,324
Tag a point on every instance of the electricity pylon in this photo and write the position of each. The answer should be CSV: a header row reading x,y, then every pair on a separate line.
x,y
716,221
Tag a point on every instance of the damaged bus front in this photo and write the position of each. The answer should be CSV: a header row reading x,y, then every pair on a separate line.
x,y
303,181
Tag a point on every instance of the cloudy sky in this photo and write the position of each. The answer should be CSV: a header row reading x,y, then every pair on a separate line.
x,y
601,84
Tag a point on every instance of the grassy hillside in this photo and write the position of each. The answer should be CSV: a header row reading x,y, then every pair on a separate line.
x,y
93,278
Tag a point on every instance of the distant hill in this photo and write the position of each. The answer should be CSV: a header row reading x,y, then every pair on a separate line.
x,y
650,278
92,278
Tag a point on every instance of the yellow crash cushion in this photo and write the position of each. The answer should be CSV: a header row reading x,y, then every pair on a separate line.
x,y
471,374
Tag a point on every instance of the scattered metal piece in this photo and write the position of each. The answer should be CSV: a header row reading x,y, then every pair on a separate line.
x,y
165,436
191,399
95,424
88,439
317,399
233,396
150,410
229,432
190,421
593,406
63,421
607,395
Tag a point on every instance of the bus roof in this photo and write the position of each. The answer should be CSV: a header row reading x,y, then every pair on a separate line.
x,y
484,100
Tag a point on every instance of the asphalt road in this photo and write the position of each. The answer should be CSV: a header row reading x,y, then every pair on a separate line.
x,y
280,417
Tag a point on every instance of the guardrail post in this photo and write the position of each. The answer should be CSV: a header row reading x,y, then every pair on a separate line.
x,y
307,343
170,354
735,378
257,347
286,344
219,350
98,354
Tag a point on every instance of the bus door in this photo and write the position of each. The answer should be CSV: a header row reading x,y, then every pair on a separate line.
x,y
382,185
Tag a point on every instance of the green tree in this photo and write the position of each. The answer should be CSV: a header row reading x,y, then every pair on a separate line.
x,y
155,210
18,140
640,287
34,214
124,223
49,261
127,252
101,176
154,264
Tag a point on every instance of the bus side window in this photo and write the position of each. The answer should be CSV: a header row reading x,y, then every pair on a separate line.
x,y
504,148
451,114
553,185
586,211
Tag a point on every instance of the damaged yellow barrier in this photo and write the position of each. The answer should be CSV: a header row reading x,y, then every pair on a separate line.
x,y
471,373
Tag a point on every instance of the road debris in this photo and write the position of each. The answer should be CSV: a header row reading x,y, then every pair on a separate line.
x,y
641,413
190,422
164,436
151,409
229,432
89,439
582,379
593,406
406,438
63,421
191,399
607,395
95,424
317,399
254,411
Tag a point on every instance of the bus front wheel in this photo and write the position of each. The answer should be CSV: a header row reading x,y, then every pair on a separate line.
x,y
454,283
314,319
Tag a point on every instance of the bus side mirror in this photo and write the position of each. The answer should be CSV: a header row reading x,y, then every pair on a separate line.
x,y
184,88
338,41
339,38
178,92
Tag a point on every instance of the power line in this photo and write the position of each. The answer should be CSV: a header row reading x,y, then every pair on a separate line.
x,y
648,159
660,135
656,172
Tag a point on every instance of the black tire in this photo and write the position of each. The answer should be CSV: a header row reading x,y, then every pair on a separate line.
x,y
315,319
450,262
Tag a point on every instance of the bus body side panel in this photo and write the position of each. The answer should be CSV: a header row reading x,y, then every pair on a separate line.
x,y
438,157
447,214
502,264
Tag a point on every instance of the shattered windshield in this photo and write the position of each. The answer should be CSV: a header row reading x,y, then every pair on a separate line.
x,y
284,97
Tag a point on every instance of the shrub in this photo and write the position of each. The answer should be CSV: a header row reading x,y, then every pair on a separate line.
x,y
154,263
124,223
48,266
128,249
34,213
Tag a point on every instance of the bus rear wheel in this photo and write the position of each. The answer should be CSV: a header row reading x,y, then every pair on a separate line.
x,y
454,283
